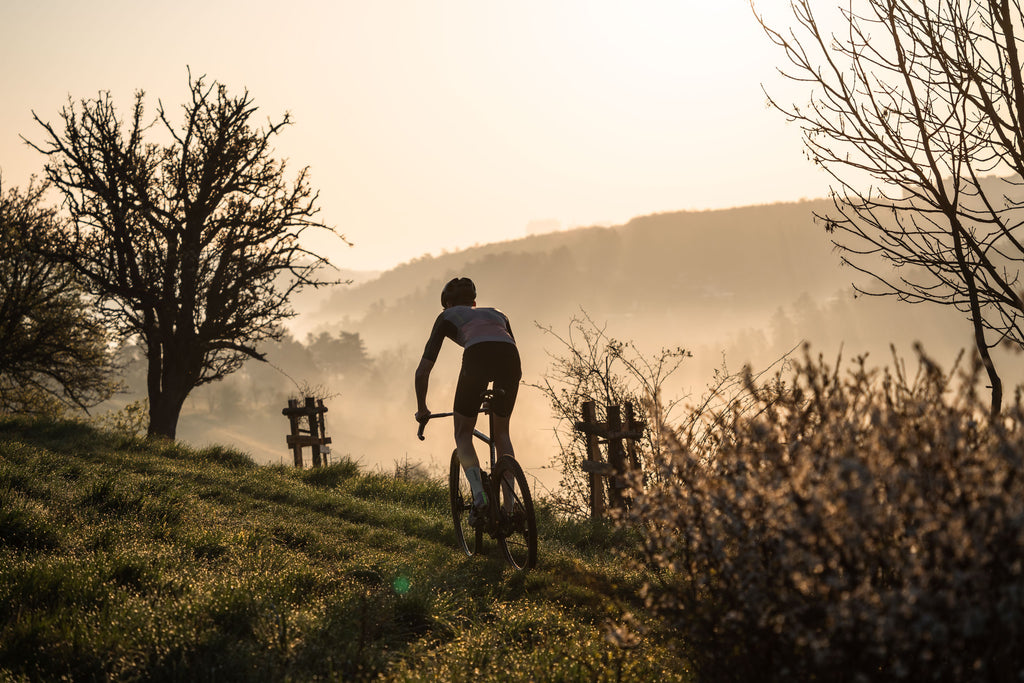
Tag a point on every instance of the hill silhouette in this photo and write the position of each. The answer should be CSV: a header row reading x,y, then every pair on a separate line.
x,y
751,282
715,263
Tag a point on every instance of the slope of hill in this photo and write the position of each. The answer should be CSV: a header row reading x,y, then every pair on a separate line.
x,y
131,560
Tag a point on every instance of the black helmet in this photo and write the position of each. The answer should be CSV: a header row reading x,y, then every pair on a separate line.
x,y
458,292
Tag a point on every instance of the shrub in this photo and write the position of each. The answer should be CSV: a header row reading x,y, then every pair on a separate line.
x,y
591,365
131,420
864,526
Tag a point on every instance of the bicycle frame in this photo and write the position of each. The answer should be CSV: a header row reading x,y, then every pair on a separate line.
x,y
486,438
515,526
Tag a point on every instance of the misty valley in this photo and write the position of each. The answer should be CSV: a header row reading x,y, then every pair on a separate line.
x,y
733,287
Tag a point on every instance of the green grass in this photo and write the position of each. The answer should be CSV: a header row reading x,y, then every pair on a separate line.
x,y
125,559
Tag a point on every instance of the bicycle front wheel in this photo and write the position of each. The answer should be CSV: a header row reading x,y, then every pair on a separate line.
x,y
462,501
517,524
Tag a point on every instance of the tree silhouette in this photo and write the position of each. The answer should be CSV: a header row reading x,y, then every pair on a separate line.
x,y
53,351
190,244
927,100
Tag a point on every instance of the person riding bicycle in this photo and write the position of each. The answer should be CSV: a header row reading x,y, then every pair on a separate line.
x,y
490,355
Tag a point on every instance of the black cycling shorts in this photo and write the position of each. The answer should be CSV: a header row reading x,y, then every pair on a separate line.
x,y
485,362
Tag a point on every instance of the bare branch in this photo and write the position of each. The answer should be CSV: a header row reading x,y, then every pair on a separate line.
x,y
926,98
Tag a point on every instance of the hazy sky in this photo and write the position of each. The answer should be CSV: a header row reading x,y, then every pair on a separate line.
x,y
437,124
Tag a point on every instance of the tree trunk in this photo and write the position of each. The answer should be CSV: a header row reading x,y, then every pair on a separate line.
x,y
978,322
167,388
164,411
990,368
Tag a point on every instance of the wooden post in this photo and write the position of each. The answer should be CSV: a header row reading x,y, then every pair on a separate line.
x,y
634,430
322,430
594,456
616,456
314,431
296,444
311,413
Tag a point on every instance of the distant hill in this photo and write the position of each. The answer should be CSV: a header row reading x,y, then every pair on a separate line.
x,y
719,269
751,281
307,302
720,264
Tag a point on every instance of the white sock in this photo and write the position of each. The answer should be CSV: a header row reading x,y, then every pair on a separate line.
x,y
476,485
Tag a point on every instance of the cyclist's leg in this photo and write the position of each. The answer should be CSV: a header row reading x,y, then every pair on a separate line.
x,y
503,442
467,456
501,435
464,426
472,382
507,372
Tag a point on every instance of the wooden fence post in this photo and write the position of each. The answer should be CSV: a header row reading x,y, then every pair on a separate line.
x,y
634,430
295,443
594,456
312,412
314,431
612,432
325,450
616,456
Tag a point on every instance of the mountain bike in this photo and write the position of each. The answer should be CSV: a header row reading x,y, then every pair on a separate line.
x,y
510,517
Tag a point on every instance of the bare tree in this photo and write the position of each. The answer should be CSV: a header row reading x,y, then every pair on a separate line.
x,y
54,352
925,98
190,244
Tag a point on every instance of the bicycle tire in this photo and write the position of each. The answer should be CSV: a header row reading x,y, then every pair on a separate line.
x,y
461,501
517,535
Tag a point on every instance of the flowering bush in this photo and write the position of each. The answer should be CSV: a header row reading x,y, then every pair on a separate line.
x,y
591,365
866,525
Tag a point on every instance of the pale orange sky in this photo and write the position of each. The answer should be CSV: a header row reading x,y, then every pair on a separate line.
x,y
437,124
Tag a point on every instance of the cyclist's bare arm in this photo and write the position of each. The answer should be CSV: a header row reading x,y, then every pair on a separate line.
x,y
421,382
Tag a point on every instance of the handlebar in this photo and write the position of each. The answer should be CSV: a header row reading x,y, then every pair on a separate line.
x,y
423,424
485,397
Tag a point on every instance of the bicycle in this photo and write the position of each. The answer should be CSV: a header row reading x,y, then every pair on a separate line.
x,y
506,488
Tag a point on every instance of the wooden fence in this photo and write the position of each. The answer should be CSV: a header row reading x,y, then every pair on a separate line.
x,y
313,434
619,432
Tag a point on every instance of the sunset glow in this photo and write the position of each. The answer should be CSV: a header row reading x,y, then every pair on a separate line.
x,y
431,126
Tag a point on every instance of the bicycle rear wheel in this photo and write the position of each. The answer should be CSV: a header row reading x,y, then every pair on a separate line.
x,y
517,532
462,501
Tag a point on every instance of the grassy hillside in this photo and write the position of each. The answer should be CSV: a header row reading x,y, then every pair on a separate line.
x,y
122,559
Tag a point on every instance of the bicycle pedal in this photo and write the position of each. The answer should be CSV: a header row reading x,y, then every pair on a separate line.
x,y
479,516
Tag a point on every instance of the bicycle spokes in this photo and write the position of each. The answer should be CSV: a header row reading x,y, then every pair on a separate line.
x,y
510,515
508,491
517,526
470,540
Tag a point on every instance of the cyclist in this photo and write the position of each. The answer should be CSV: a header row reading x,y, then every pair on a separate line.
x,y
490,354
